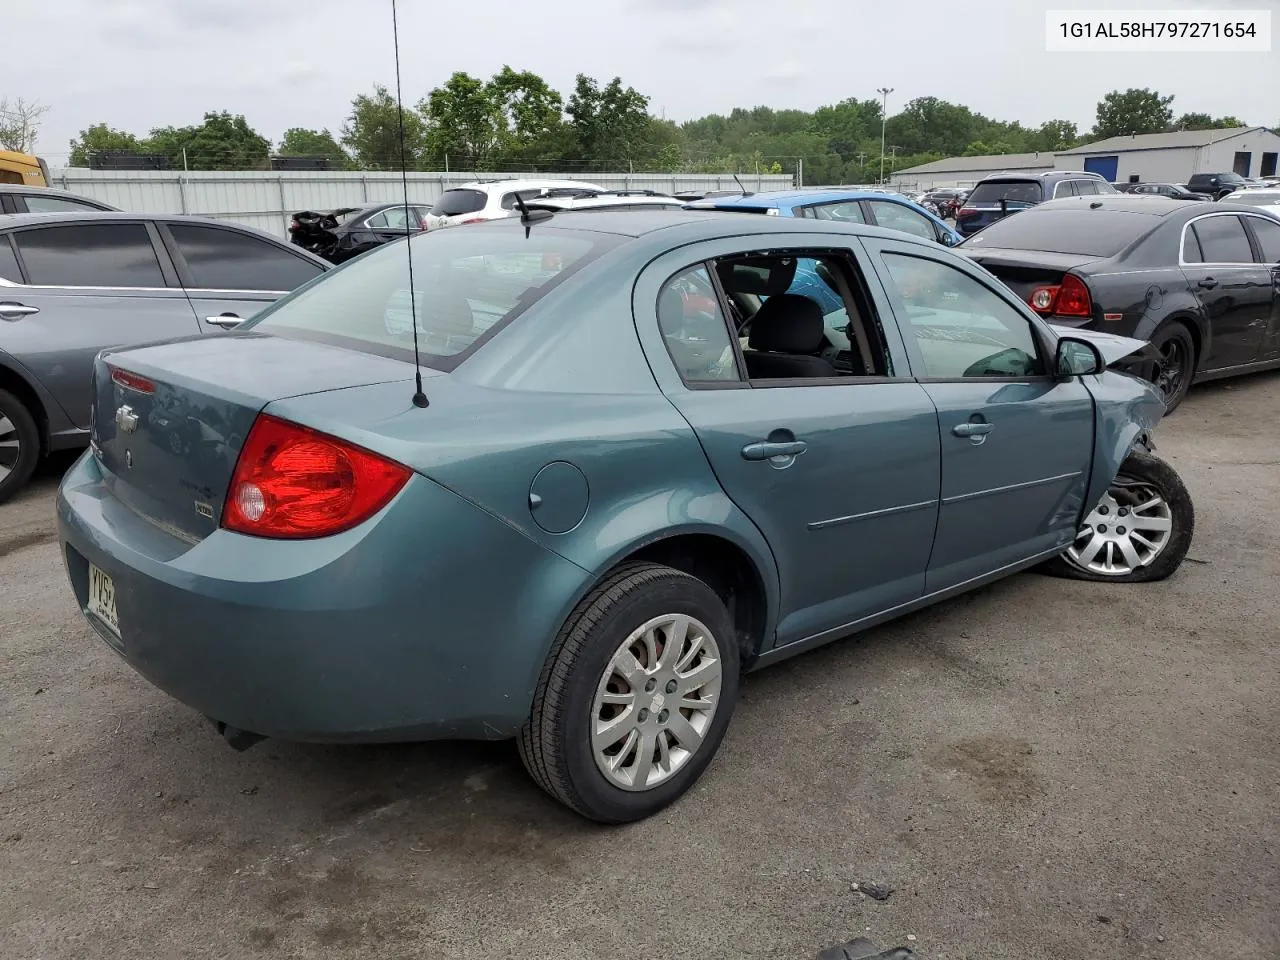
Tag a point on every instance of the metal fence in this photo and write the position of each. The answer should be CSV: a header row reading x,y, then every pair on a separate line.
x,y
267,199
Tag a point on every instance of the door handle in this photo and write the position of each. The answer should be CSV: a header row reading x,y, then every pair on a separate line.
x,y
1208,283
10,310
972,429
767,450
225,320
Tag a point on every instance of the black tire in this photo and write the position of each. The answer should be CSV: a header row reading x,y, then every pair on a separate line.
x,y
1178,361
1150,471
555,743
25,431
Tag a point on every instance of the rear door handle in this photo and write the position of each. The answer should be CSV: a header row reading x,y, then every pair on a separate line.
x,y
10,310
767,450
226,321
1208,283
972,429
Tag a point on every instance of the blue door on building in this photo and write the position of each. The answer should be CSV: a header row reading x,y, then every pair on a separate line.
x,y
1107,167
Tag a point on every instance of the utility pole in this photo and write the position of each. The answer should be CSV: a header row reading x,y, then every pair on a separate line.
x,y
893,155
884,120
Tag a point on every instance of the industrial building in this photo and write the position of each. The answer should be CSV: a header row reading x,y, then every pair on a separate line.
x,y
966,171
1173,157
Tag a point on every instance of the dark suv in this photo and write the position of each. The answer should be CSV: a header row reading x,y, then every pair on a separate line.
x,y
1215,185
1000,195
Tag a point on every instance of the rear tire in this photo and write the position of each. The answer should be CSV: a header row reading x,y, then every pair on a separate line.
x,y
595,708
1145,516
1178,361
19,445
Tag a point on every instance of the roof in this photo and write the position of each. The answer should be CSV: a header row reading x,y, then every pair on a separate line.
x,y
792,198
526,182
25,219
31,188
1151,205
1003,161
1163,141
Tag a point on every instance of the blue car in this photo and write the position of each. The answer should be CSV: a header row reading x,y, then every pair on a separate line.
x,y
889,210
570,477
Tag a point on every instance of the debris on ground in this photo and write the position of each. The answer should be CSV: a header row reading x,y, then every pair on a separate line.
x,y
876,891
864,949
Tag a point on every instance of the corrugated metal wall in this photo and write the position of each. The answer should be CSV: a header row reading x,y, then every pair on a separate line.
x,y
266,199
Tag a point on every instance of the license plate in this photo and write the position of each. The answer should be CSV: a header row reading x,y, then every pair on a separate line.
x,y
102,598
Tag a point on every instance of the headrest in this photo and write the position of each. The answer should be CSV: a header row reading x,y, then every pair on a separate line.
x,y
788,323
764,276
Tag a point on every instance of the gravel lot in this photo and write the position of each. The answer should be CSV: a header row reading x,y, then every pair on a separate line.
x,y
1044,769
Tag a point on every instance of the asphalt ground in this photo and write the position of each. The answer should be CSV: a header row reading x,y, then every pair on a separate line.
x,y
1042,769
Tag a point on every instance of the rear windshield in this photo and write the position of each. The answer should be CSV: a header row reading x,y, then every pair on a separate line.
x,y
1099,233
467,284
454,202
1015,191
1257,198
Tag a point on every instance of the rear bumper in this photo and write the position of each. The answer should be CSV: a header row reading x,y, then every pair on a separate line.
x,y
431,620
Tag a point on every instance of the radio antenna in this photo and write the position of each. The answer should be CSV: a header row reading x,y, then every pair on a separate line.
x,y
419,397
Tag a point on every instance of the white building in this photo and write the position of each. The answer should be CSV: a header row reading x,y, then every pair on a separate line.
x,y
966,171
1174,157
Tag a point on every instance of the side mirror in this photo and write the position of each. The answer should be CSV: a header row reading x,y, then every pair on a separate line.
x,y
1077,358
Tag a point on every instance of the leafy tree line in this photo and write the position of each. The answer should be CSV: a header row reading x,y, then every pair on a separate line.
x,y
516,121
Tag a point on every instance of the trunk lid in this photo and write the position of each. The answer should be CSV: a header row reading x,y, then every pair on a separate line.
x,y
169,420
1024,270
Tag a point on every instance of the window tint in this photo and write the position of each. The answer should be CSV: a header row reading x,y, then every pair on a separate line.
x,y
454,202
225,260
694,328
1223,240
1191,252
962,329
1099,233
90,255
843,211
894,216
1086,188
42,203
467,283
8,262
992,192
1266,231
509,199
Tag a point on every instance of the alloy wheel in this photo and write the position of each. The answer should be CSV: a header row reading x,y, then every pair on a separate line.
x,y
1127,530
655,702
10,446
1172,367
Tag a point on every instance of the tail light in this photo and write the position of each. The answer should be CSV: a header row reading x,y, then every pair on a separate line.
x,y
131,381
292,482
473,220
965,211
1070,298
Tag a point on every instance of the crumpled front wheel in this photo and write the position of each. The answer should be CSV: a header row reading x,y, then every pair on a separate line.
x,y
1139,532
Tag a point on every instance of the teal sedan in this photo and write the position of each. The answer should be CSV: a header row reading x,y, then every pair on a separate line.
x,y
568,478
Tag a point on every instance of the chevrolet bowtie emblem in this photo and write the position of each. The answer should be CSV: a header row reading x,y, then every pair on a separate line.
x,y
126,419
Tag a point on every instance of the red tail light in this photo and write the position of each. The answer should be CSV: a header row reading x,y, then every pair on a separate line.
x,y
965,211
131,381
1070,298
473,220
291,482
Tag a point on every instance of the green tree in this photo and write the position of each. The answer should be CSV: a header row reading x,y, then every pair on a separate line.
x,y
1226,123
1135,111
464,119
221,142
1055,135
372,132
610,123
101,137
301,142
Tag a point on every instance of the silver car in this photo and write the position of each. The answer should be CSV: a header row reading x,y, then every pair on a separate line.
x,y
72,284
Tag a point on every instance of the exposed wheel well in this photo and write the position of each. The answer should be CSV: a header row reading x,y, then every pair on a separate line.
x,y
14,384
725,568
1192,327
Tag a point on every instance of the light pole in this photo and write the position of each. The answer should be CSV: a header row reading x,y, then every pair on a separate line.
x,y
884,120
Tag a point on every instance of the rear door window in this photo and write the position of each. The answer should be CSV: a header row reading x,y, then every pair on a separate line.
x,y
1086,188
1266,232
1223,240
41,203
90,255
841,211
895,216
227,260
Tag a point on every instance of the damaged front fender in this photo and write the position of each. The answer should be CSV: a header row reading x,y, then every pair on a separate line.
x,y
1126,411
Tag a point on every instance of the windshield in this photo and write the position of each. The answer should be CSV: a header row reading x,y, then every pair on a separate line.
x,y
1015,191
1098,233
454,202
467,283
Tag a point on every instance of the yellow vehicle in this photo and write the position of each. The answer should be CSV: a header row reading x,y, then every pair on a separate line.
x,y
23,168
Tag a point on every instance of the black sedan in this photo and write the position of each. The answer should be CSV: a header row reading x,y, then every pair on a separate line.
x,y
1200,281
339,235
1174,191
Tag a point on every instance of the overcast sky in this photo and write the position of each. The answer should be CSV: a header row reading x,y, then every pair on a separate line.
x,y
138,64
